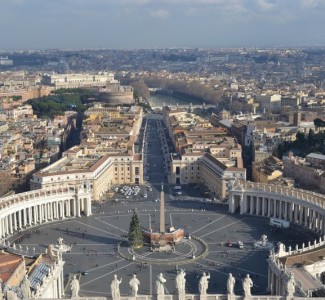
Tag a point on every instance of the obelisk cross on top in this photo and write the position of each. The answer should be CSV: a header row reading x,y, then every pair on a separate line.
x,y
162,210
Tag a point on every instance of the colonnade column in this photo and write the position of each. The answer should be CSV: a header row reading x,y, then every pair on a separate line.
x,y
2,234
78,206
30,214
296,208
258,205
15,221
263,206
268,207
68,208
301,215
285,210
57,210
305,215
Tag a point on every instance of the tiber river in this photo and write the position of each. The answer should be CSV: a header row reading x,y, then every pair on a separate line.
x,y
160,100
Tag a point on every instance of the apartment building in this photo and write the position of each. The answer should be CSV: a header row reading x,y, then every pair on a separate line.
x,y
267,170
99,173
307,172
205,169
269,102
60,81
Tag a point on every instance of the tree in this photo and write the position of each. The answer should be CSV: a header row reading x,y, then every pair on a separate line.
x,y
135,235
319,123
140,89
311,137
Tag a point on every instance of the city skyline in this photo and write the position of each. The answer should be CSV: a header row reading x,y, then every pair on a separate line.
x,y
160,23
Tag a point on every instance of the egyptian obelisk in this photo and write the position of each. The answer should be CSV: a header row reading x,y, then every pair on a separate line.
x,y
162,209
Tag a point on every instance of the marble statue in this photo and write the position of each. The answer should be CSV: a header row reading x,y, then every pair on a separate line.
x,y
11,295
75,287
231,284
180,282
25,288
60,241
50,251
134,285
264,240
115,288
160,284
291,285
247,285
204,283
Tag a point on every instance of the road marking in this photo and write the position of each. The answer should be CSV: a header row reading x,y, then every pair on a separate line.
x,y
100,220
208,224
105,231
102,266
114,271
222,227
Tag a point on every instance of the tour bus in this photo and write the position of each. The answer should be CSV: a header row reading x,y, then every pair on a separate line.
x,y
279,223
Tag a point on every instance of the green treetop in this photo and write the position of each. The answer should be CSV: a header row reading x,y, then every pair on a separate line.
x,y
135,232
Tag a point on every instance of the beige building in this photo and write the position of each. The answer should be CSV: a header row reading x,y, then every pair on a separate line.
x,y
203,168
307,172
60,81
267,170
99,173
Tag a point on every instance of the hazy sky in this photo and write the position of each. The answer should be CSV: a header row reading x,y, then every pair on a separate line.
x,y
33,24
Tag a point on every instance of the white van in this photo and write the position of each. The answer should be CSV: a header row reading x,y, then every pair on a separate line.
x,y
275,222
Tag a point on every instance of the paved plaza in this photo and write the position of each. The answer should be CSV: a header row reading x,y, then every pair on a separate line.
x,y
95,240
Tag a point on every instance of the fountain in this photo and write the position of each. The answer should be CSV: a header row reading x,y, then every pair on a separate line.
x,y
263,243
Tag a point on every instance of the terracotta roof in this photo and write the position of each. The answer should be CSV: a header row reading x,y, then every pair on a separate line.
x,y
8,264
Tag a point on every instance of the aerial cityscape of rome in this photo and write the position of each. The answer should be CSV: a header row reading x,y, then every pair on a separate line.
x,y
162,149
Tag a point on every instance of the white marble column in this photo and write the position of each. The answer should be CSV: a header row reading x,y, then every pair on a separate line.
x,y
35,214
314,221
305,216
62,209
263,206
296,207
45,212
1,228
40,207
10,225
268,207
301,212
57,216
251,204
274,208
7,225
30,215
25,217
67,203
78,206
21,216
15,221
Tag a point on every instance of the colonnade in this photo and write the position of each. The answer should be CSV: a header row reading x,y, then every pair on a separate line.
x,y
296,206
21,211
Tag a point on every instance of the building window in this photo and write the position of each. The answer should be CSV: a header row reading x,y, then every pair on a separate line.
x,y
178,170
136,170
